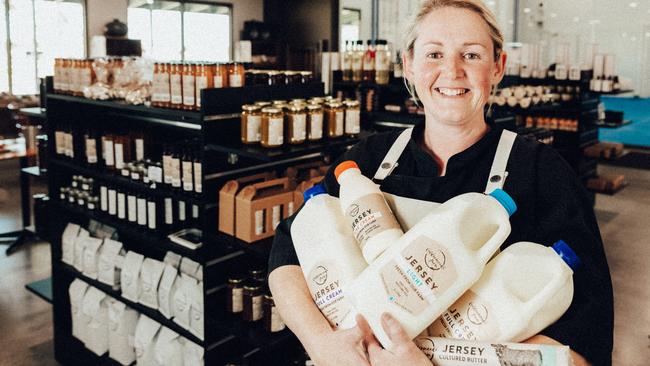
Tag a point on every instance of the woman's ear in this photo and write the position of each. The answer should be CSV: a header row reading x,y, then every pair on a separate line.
x,y
408,68
500,68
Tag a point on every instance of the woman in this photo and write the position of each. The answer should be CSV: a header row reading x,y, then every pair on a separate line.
x,y
453,59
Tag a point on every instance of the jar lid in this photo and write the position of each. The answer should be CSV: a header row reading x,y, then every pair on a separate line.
x,y
306,73
250,107
352,103
291,72
314,107
276,102
252,287
272,110
298,101
334,104
235,281
262,104
296,107
273,72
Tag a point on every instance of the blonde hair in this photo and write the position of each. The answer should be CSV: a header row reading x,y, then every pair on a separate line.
x,y
429,6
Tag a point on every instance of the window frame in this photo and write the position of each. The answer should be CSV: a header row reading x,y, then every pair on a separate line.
x,y
198,2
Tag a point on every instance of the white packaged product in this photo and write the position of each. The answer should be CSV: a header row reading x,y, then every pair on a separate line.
x,y
192,354
145,340
150,274
77,291
130,274
433,264
109,272
189,266
122,321
165,290
523,290
173,259
67,243
95,313
456,352
182,301
329,255
197,311
168,350
91,257
79,247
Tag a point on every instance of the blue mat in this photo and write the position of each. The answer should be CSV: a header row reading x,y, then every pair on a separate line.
x,y
635,109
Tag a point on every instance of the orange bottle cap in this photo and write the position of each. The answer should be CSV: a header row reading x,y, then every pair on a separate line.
x,y
348,164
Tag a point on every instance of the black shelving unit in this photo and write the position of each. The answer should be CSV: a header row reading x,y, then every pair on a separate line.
x,y
216,129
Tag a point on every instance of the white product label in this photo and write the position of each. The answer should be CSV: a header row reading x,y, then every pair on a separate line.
x,y
259,222
182,209
165,95
156,88
155,174
276,131
198,177
176,89
187,176
176,172
254,128
276,216
169,211
299,127
352,122
195,211
218,81
151,213
58,142
340,121
201,83
470,318
142,211
112,202
257,307
368,216
382,61
131,203
119,156
121,206
109,154
103,198
237,300
85,78
327,291
139,149
91,150
167,169
188,90
234,80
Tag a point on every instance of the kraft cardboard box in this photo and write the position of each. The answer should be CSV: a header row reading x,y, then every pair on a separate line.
x,y
227,199
303,172
260,207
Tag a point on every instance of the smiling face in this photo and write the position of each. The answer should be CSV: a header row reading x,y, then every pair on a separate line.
x,y
452,66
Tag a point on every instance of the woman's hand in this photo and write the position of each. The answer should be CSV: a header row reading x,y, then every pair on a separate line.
x,y
403,350
340,347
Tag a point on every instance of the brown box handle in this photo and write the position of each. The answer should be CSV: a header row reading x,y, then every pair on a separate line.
x,y
249,192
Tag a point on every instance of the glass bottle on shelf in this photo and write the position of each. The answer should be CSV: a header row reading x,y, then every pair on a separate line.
x,y
189,83
175,167
314,122
334,119
235,75
357,62
202,77
90,142
346,64
186,168
382,63
197,167
251,123
176,86
296,126
220,76
369,62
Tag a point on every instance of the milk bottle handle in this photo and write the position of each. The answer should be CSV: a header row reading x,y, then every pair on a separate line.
x,y
488,249
533,305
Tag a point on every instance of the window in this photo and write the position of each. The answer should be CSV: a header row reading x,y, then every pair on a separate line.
x,y
350,24
172,30
39,31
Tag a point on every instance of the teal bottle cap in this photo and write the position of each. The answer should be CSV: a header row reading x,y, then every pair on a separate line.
x,y
505,200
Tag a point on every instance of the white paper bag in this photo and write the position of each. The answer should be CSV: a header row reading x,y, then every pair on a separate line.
x,y
189,267
168,349
122,321
166,290
67,243
79,247
196,311
130,275
182,301
145,339
91,257
108,273
77,291
150,274
95,313
192,354
173,259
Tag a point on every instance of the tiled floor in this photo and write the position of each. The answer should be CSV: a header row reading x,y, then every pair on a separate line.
x,y
26,322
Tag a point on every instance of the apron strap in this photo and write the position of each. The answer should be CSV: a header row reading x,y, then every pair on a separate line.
x,y
390,160
498,173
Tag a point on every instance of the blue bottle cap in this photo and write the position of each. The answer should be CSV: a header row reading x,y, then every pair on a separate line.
x,y
314,191
505,200
567,254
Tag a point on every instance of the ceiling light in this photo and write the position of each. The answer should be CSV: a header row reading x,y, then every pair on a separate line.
x,y
576,19
526,10
553,15
633,39
491,3
634,4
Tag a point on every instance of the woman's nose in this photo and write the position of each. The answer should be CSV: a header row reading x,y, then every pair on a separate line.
x,y
452,68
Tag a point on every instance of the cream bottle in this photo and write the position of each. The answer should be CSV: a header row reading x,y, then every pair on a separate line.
x,y
523,290
432,264
328,254
373,223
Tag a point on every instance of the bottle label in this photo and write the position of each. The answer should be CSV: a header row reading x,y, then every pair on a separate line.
x,y
276,131
155,174
187,176
423,271
327,291
368,216
139,149
352,122
91,151
176,89
276,216
198,177
103,198
169,211
340,121
299,127
181,211
121,206
142,212
470,318
156,87
259,222
201,83
316,128
151,215
237,300
163,82
58,142
234,80
112,202
218,81
254,128
131,203
167,168
382,61
257,307
188,90
119,156
176,172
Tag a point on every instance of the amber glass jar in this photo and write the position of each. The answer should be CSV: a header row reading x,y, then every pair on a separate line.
x,y
296,124
272,320
201,82
176,86
334,119
272,127
314,122
219,76
293,77
236,75
189,86
235,295
251,123
352,117
306,77
252,309
298,101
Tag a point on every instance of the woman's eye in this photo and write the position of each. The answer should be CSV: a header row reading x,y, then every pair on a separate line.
x,y
435,55
472,56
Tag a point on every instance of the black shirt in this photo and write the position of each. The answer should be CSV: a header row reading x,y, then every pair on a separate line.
x,y
552,204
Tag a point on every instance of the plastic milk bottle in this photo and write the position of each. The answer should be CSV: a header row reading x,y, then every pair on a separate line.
x,y
434,263
328,253
526,288
366,211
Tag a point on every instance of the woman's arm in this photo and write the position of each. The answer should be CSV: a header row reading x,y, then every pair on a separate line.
x,y
299,312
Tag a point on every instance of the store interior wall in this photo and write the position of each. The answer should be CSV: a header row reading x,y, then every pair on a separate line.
x,y
365,29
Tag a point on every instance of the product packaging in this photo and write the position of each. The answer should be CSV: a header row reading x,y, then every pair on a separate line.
x,y
130,274
145,340
192,354
197,311
79,247
122,322
67,243
182,300
95,315
168,350
260,207
91,257
165,290
150,275
77,291
109,271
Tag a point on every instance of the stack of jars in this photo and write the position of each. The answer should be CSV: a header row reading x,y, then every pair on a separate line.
x,y
251,298
71,76
273,124
272,77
